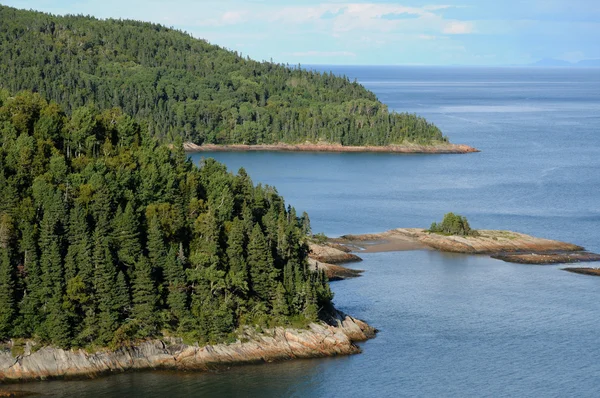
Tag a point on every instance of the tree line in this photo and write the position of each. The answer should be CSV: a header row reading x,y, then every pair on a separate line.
x,y
182,87
107,236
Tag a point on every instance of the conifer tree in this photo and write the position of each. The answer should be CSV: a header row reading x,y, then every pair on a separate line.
x,y
280,304
238,272
157,253
7,293
177,297
79,253
260,264
105,287
126,236
145,297
29,307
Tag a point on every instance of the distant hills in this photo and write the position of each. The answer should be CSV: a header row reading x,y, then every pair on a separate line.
x,y
585,63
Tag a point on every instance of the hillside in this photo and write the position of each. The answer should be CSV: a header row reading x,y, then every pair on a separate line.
x,y
108,237
188,88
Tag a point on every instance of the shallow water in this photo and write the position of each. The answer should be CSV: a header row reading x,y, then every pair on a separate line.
x,y
451,325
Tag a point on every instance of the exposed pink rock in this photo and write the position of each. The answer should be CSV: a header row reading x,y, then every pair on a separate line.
x,y
326,147
277,344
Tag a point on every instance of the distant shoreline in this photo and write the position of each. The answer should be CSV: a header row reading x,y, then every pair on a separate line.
x,y
440,148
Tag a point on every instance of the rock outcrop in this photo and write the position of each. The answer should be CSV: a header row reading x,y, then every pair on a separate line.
x,y
336,337
334,272
508,246
331,254
584,271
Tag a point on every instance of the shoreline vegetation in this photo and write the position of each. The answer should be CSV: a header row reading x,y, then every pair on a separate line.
x,y
409,148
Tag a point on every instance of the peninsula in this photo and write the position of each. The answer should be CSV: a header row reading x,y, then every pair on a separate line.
x,y
183,88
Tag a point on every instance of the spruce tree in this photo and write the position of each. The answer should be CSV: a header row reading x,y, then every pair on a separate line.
x,y
238,271
280,304
145,297
177,296
105,283
126,236
7,294
260,263
157,253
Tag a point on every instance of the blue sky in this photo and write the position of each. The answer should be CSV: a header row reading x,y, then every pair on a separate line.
x,y
445,32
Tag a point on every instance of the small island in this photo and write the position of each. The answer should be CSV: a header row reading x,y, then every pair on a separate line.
x,y
455,235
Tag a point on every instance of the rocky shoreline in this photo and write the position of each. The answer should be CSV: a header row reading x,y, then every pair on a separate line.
x,y
439,148
327,257
507,246
334,337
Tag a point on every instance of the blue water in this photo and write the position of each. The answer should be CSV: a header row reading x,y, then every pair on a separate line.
x,y
451,325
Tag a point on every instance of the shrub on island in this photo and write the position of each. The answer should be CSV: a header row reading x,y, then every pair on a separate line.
x,y
453,224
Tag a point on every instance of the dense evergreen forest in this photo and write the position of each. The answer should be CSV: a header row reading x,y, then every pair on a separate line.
x,y
107,236
184,87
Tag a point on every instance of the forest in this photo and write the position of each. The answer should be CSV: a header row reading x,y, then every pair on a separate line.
x,y
180,87
108,236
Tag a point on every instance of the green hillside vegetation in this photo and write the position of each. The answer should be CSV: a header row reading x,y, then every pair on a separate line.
x,y
453,224
184,87
107,236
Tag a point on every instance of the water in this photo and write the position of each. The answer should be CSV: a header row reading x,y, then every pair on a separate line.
x,y
451,325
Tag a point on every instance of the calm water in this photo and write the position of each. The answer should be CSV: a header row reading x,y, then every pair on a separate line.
x,y
451,325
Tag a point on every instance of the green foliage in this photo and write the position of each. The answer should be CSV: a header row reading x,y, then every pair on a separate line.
x,y
102,243
181,87
453,224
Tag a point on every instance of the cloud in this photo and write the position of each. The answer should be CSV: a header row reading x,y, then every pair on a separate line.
x,y
458,28
233,17
339,19
321,54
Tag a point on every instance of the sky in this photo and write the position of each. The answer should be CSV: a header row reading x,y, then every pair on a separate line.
x,y
372,32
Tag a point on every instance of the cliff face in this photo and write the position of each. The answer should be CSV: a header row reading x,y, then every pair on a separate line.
x,y
277,344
